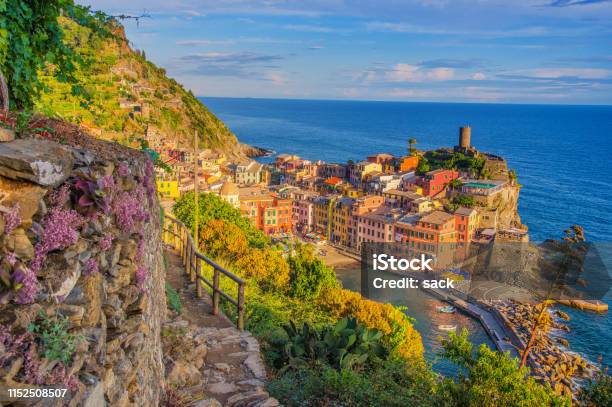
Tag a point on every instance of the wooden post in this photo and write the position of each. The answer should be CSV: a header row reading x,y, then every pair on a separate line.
x,y
196,191
216,295
198,271
241,307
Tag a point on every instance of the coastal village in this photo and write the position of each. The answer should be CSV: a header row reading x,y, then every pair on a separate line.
x,y
382,199
470,198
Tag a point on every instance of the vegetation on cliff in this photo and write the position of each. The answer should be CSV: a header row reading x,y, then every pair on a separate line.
x,y
63,60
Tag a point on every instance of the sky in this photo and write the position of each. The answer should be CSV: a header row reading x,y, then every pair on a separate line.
x,y
492,51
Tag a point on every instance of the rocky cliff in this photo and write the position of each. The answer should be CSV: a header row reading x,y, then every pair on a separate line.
x,y
81,269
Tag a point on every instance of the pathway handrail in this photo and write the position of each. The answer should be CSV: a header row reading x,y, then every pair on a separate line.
x,y
178,235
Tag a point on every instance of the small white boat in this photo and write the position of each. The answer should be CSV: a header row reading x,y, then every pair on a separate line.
x,y
447,309
447,327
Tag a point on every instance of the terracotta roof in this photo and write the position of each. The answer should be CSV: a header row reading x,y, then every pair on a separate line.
x,y
228,188
437,217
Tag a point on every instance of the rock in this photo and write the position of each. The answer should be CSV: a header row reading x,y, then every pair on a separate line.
x,y
207,403
184,374
43,162
17,242
222,388
63,280
246,398
563,342
255,365
27,195
95,396
271,402
6,135
74,313
223,367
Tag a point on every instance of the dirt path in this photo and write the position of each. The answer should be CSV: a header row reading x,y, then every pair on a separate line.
x,y
233,371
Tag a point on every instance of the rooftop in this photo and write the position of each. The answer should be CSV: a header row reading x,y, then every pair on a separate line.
x,y
437,217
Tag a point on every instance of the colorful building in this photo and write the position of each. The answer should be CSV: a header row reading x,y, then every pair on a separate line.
x,y
408,163
466,223
435,181
168,189
361,169
378,226
266,210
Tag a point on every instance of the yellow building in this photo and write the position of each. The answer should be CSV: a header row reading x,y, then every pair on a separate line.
x,y
168,189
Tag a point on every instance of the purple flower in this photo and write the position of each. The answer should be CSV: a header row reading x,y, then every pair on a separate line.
x,y
128,210
123,170
12,219
91,267
59,232
106,242
10,258
27,278
60,196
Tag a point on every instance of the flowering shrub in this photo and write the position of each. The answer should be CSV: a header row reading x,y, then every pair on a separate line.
x,y
123,170
128,210
91,267
17,282
12,219
391,321
106,242
59,231
94,195
32,372
60,196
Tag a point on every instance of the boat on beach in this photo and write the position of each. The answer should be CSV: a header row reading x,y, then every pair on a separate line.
x,y
447,327
447,309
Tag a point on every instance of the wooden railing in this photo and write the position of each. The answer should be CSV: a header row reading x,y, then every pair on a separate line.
x,y
176,234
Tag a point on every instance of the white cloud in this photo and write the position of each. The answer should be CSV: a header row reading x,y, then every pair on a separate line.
x,y
479,76
414,73
277,78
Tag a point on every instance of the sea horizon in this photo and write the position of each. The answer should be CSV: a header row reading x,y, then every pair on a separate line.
x,y
433,102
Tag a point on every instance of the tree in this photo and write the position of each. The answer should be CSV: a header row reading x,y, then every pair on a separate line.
x,y
31,39
212,206
464,200
423,166
222,240
490,378
267,266
309,275
411,143
598,391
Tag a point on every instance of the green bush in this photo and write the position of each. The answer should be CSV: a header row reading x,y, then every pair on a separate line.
x,y
173,299
345,345
309,275
490,378
390,383
57,342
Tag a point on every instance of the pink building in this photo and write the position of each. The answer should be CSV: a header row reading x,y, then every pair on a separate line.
x,y
302,210
377,226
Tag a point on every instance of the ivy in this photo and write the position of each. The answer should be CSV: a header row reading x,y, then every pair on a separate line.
x,y
31,39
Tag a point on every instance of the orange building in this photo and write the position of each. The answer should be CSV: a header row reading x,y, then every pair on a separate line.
x,y
432,234
466,221
267,211
408,163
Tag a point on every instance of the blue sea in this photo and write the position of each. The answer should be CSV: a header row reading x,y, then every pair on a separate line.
x,y
562,154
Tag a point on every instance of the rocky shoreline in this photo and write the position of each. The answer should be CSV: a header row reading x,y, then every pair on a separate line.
x,y
548,361
255,151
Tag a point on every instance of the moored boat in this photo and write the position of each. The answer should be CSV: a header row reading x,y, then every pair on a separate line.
x,y
447,327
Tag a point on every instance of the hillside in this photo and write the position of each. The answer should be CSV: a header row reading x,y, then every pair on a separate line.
x,y
129,96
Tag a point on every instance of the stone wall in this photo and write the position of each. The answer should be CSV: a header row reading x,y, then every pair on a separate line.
x,y
81,260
